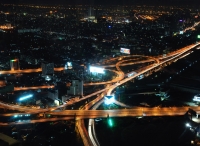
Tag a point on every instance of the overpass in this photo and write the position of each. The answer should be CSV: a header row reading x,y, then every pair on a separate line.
x,y
133,112
86,114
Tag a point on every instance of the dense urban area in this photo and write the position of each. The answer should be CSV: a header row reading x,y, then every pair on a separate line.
x,y
99,75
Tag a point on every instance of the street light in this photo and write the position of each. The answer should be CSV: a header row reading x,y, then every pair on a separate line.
x,y
188,125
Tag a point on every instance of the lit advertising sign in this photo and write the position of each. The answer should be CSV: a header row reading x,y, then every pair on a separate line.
x,y
96,69
181,32
125,51
25,97
68,65
109,99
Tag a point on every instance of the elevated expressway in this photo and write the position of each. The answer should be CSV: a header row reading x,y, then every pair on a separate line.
x,y
159,62
134,112
155,112
28,71
31,110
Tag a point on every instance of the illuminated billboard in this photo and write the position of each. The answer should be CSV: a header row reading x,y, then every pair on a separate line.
x,y
125,51
25,97
181,32
68,65
109,99
97,69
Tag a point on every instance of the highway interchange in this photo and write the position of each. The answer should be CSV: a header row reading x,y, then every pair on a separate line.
x,y
83,113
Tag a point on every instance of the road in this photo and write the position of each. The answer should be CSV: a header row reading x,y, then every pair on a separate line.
x,y
91,124
134,112
129,63
31,110
32,88
28,71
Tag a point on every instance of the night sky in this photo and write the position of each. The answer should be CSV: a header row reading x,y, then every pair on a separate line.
x,y
108,2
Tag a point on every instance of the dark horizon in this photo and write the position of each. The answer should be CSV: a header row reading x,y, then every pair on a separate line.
x,y
104,2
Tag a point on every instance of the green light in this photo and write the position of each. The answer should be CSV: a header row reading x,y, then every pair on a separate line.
x,y
110,123
198,36
13,60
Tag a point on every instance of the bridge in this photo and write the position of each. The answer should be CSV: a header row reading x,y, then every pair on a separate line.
x,y
86,114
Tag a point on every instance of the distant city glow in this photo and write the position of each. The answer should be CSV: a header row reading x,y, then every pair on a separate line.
x,y
97,69
25,97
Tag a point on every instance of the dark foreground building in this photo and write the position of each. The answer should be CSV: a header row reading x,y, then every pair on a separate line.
x,y
8,141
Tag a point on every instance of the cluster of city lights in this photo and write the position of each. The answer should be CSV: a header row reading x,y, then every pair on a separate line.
x,y
26,115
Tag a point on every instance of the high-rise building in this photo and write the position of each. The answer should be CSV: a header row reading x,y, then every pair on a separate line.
x,y
53,94
14,64
76,88
47,68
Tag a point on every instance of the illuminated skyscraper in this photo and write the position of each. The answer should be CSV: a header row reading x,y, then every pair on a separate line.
x,y
14,64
